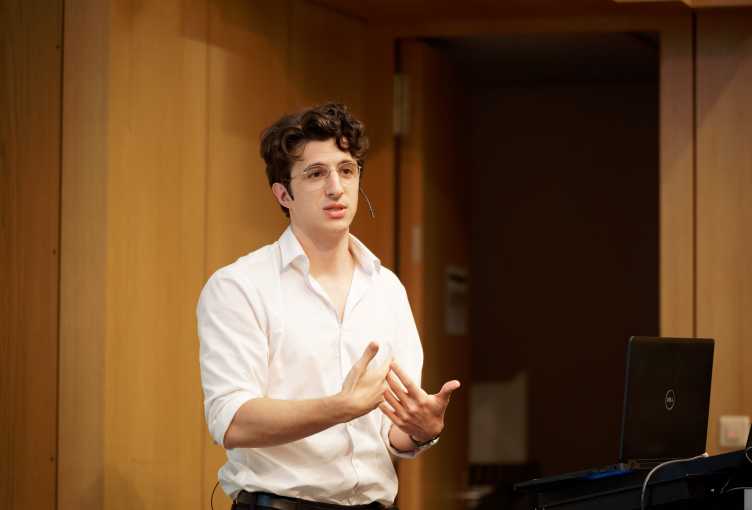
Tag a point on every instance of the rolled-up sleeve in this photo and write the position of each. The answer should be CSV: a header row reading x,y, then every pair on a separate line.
x,y
233,350
409,356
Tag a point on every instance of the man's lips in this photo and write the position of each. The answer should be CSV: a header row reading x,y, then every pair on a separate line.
x,y
335,211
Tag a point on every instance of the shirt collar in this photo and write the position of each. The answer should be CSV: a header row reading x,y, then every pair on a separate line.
x,y
292,251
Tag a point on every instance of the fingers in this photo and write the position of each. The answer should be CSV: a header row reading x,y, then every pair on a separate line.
x,y
394,403
371,349
412,389
391,415
445,392
396,387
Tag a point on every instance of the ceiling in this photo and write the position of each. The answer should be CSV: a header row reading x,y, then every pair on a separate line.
x,y
555,57
410,11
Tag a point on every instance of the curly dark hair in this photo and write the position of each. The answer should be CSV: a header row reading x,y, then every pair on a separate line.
x,y
283,142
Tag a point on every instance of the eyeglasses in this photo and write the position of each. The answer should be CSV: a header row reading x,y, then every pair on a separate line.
x,y
316,175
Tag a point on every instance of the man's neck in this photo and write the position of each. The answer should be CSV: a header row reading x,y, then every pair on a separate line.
x,y
327,256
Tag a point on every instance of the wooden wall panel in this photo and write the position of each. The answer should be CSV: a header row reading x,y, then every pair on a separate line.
x,y
433,236
677,199
410,267
83,256
30,113
265,59
155,259
379,177
335,58
724,209
133,254
445,245
326,57
247,91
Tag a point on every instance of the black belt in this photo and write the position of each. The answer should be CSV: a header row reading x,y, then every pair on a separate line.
x,y
252,500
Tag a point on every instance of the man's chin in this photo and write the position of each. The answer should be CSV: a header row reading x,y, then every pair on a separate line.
x,y
338,226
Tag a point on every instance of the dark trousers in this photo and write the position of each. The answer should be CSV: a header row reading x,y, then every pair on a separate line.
x,y
266,501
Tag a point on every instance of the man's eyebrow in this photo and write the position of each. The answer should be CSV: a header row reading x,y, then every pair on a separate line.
x,y
345,160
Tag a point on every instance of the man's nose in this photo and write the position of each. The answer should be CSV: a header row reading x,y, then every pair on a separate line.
x,y
334,184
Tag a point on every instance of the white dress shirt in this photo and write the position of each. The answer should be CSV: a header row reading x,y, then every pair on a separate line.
x,y
268,329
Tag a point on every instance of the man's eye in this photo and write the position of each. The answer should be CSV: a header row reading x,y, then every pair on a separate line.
x,y
347,170
315,173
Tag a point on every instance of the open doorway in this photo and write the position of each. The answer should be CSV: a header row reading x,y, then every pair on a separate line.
x,y
533,162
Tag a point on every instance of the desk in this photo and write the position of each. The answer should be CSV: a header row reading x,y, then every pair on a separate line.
x,y
700,484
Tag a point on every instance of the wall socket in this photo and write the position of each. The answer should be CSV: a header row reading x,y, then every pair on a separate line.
x,y
734,430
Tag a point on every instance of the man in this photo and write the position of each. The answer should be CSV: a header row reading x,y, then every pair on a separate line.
x,y
310,358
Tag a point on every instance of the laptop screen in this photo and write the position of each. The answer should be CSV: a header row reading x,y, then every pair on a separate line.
x,y
666,398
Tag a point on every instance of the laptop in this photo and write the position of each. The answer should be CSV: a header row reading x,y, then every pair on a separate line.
x,y
666,402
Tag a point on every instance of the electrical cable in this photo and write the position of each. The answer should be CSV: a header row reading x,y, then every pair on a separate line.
x,y
211,498
723,490
370,207
738,489
659,466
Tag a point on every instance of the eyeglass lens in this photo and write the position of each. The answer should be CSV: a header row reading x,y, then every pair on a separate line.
x,y
348,171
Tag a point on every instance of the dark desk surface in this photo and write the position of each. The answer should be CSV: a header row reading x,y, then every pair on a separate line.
x,y
702,483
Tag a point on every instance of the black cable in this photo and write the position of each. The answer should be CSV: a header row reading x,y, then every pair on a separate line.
x,y
728,482
370,207
211,498
723,490
738,489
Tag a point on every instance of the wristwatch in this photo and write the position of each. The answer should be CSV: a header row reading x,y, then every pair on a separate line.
x,y
424,444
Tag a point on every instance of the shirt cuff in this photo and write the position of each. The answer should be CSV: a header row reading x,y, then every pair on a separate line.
x,y
409,454
221,422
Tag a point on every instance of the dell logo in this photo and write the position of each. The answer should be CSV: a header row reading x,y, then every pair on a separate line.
x,y
670,399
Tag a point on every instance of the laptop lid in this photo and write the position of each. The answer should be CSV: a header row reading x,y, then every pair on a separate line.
x,y
666,398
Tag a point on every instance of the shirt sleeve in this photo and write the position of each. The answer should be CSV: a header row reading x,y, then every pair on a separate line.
x,y
233,350
409,356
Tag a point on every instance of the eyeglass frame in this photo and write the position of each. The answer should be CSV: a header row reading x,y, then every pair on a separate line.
x,y
358,165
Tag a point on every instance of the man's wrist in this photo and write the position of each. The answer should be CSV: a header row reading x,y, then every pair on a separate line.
x,y
427,442
341,408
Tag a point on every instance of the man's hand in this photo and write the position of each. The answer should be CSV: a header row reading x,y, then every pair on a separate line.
x,y
411,409
262,422
363,389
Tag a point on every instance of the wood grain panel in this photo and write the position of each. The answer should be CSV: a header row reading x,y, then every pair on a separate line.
x,y
326,57
432,237
724,211
445,244
410,267
247,91
379,178
265,59
30,113
83,256
677,272
155,260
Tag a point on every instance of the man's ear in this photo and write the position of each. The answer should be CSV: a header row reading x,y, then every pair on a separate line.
x,y
281,194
